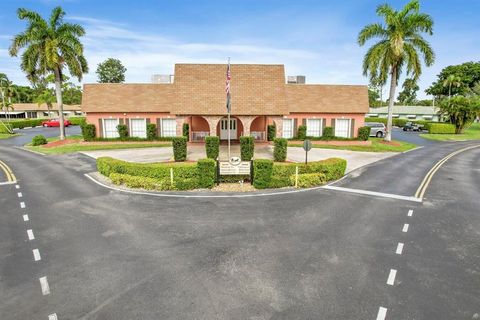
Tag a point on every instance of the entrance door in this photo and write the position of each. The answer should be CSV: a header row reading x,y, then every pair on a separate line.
x,y
342,128
224,129
110,128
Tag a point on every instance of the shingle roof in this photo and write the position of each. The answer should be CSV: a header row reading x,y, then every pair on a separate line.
x,y
425,110
43,107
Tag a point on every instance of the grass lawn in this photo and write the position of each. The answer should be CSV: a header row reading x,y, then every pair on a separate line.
x,y
78,146
472,133
377,146
8,135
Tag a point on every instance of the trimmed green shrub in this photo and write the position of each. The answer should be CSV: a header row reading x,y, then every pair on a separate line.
x,y
302,132
88,131
363,133
271,132
151,131
441,128
247,148
186,130
179,148
280,149
262,173
308,180
395,121
77,121
122,131
20,124
185,184
140,182
39,140
328,133
206,173
212,147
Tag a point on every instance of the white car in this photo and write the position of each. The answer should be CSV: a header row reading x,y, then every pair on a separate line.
x,y
377,129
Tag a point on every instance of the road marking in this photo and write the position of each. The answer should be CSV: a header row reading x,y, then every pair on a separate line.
x,y
8,172
405,227
382,313
19,194
31,151
25,217
17,187
36,255
22,205
428,177
44,285
399,248
7,183
52,316
30,234
410,213
374,193
391,277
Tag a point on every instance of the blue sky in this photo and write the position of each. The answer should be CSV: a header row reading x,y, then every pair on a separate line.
x,y
312,38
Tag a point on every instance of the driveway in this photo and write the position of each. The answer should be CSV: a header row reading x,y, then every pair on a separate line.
x,y
354,159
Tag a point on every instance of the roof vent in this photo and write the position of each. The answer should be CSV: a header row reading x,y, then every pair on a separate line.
x,y
296,79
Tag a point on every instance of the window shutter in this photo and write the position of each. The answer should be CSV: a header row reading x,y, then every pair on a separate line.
x,y
324,124
159,127
352,128
333,125
121,121
304,122
126,121
147,120
100,128
295,126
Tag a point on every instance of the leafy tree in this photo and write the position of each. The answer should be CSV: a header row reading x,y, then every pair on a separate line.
x,y
72,93
452,81
461,110
47,97
469,74
50,46
408,96
425,102
373,98
23,94
111,71
400,45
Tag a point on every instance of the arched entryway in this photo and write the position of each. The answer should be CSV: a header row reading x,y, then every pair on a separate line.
x,y
258,128
236,128
199,128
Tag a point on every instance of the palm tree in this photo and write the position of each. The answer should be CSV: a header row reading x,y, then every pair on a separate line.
x,y
400,45
452,80
50,46
7,91
48,98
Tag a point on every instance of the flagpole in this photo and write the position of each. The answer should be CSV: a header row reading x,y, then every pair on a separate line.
x,y
228,117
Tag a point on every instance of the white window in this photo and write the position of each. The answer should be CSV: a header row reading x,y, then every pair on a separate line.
x,y
287,128
110,128
314,127
342,128
169,127
138,128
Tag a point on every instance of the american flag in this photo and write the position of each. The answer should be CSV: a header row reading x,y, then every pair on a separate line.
x,y
227,86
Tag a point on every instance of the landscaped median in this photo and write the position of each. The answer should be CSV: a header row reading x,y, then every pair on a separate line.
x,y
203,174
372,145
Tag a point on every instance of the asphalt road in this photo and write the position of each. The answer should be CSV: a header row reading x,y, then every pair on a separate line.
x,y
319,254
27,134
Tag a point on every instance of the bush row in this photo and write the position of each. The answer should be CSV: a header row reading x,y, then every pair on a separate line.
x,y
156,176
441,128
89,134
268,174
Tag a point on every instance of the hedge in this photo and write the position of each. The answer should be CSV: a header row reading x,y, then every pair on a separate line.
x,y
279,176
247,147
328,133
77,121
20,124
212,147
186,130
363,133
39,140
280,149
395,121
179,148
88,131
302,132
441,128
156,176
271,132
122,131
308,180
151,131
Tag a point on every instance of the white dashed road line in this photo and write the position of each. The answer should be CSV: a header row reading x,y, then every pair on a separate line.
x,y
17,187
391,277
30,234
22,205
25,217
52,316
410,212
399,248
19,194
405,227
44,285
382,313
36,255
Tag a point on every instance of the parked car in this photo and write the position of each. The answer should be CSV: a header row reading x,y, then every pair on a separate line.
x,y
412,126
55,123
377,129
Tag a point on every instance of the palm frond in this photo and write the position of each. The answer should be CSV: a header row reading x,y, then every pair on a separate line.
x,y
56,17
371,31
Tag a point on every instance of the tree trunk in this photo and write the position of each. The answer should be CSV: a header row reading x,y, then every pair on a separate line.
x,y
393,85
58,91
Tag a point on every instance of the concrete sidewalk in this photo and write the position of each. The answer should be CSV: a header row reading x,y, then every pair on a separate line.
x,y
355,159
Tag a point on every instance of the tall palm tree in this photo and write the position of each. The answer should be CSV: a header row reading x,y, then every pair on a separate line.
x,y
7,91
400,45
50,46
48,98
452,81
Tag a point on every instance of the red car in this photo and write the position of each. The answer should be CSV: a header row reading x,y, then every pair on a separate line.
x,y
55,123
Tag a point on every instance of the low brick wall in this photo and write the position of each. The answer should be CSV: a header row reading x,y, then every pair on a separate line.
x,y
335,142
